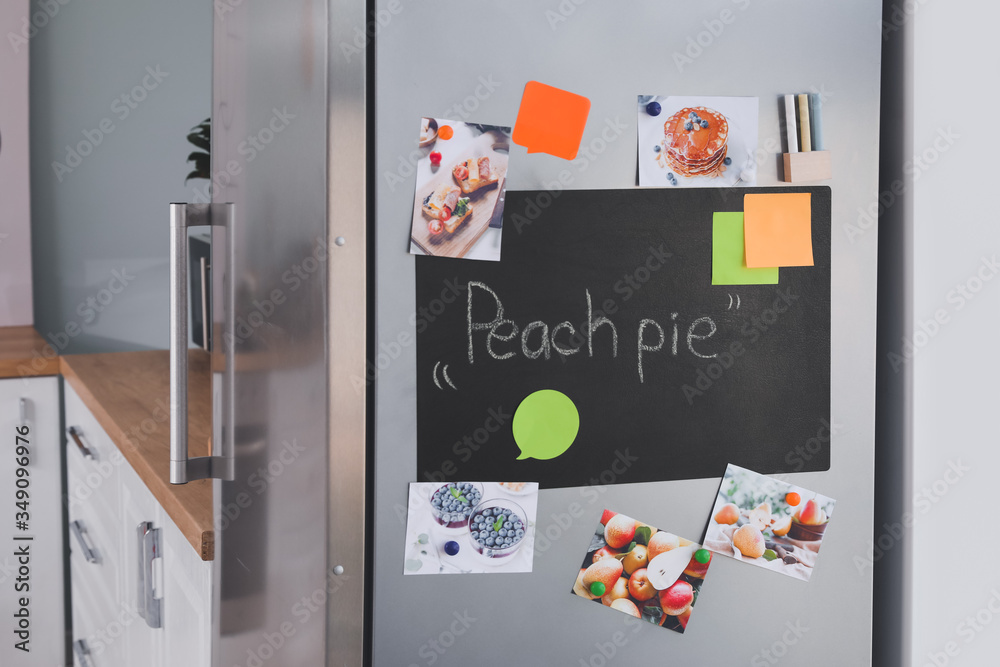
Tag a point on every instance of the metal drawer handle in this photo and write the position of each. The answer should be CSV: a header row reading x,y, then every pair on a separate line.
x,y
82,652
219,465
78,529
75,434
148,548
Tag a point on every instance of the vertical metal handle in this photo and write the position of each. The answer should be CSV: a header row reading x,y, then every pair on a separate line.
x,y
206,327
74,434
80,532
178,343
82,652
217,466
148,548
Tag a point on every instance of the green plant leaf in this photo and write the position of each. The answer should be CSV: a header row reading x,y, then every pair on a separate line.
x,y
499,524
200,141
630,547
642,535
769,555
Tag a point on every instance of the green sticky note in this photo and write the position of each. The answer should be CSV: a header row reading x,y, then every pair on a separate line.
x,y
729,265
545,424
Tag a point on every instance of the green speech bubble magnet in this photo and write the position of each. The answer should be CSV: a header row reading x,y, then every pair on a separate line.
x,y
545,424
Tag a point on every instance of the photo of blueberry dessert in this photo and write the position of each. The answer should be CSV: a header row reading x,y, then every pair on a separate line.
x,y
470,527
452,503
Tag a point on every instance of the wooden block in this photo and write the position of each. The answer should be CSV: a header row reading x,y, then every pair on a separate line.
x,y
810,166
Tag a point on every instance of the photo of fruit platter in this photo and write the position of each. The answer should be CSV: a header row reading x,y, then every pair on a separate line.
x,y
688,141
460,184
641,571
768,523
470,527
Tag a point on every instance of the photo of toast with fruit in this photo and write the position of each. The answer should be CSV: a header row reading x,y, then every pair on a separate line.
x,y
460,184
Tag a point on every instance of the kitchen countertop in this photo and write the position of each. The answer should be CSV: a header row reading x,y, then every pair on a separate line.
x,y
126,391
23,353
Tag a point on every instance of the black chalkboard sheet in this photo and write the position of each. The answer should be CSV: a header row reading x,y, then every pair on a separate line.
x,y
721,374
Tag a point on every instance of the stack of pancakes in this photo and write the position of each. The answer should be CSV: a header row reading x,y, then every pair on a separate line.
x,y
698,151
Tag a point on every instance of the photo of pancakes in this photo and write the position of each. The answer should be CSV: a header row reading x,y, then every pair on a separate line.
x,y
697,141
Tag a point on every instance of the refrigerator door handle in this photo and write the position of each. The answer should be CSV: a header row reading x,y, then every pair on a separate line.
x,y
219,465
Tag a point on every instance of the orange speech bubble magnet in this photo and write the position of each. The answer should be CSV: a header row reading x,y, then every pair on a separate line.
x,y
551,120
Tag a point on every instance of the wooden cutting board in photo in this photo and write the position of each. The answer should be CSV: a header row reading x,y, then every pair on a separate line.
x,y
484,201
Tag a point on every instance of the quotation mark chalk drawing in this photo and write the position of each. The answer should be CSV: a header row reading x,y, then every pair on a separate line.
x,y
444,374
731,302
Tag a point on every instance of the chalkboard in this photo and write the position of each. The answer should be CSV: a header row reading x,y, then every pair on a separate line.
x,y
722,374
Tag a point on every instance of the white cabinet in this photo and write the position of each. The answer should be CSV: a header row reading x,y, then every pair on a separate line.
x,y
31,553
144,597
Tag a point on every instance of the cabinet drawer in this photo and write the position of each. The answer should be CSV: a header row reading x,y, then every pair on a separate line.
x,y
92,462
104,572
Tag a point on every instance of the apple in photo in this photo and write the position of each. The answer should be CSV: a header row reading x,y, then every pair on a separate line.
x,y
618,591
677,598
605,552
639,586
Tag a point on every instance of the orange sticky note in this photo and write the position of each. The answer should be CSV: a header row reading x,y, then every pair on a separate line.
x,y
550,120
778,229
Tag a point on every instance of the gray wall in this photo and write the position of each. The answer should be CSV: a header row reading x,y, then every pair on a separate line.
x,y
15,216
99,230
954,396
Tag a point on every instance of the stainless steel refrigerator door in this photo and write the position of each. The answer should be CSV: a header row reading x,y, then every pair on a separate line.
x,y
470,61
269,159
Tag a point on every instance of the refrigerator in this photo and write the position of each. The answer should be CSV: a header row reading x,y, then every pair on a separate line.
x,y
316,108
285,223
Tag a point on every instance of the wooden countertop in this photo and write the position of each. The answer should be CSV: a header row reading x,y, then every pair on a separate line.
x,y
127,390
23,353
